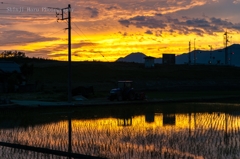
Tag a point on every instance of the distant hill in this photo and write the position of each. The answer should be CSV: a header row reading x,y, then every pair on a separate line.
x,y
202,57
136,57
213,57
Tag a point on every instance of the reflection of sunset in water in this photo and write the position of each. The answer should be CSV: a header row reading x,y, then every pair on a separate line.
x,y
200,135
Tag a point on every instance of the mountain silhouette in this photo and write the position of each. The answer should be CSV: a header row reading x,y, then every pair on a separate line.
x,y
212,57
136,57
215,57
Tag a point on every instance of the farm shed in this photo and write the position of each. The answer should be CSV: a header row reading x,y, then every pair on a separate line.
x,y
9,67
149,61
168,59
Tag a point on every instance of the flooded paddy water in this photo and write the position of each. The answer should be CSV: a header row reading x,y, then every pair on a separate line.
x,y
188,131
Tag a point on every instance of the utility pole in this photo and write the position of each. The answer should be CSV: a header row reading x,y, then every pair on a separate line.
x,y
69,72
195,58
189,55
69,48
226,47
210,54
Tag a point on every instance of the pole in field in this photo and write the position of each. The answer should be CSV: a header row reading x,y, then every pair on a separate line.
x,y
69,72
189,55
62,17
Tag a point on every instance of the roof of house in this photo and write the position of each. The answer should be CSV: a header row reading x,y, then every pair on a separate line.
x,y
9,66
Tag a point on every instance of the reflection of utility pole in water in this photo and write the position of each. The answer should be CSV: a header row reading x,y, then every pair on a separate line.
x,y
190,131
169,119
149,117
61,14
69,134
226,139
211,120
194,119
189,123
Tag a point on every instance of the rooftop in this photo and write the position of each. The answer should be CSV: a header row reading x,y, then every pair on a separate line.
x,y
9,66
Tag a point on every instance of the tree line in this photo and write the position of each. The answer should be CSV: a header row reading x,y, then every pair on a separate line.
x,y
13,54
18,55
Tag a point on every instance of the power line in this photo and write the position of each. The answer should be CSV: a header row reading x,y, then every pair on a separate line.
x,y
80,30
79,35
87,38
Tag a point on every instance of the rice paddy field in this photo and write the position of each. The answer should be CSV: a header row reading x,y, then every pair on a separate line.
x,y
186,131
51,79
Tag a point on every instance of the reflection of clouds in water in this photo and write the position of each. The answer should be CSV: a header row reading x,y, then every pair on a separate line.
x,y
200,135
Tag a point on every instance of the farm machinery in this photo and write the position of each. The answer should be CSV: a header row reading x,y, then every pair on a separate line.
x,y
125,91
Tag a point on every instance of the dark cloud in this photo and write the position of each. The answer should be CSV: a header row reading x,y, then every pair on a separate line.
x,y
45,51
143,21
80,53
138,18
12,37
111,8
93,11
219,21
185,17
82,44
237,26
172,20
199,32
125,23
49,50
184,25
58,55
61,47
141,39
158,14
95,52
123,33
158,33
151,23
148,32
201,23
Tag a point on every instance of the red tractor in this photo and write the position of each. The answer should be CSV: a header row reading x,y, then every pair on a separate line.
x,y
125,91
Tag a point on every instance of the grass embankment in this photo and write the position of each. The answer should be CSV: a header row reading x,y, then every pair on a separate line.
x,y
53,79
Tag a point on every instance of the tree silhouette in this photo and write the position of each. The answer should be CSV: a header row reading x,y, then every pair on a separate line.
x,y
13,54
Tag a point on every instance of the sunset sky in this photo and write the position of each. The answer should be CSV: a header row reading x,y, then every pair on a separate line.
x,y
108,29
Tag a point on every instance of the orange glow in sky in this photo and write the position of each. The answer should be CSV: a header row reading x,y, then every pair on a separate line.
x,y
106,30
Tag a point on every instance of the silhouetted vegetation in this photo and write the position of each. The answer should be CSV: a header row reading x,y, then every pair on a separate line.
x,y
52,77
20,57
13,54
